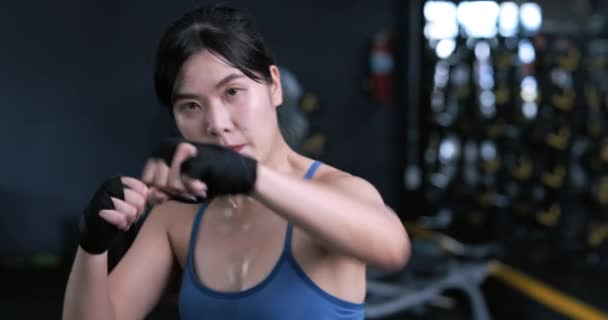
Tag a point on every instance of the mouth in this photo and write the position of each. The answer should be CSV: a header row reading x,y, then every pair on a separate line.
x,y
237,147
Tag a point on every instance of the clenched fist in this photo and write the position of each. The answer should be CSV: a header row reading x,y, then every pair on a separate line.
x,y
189,171
115,206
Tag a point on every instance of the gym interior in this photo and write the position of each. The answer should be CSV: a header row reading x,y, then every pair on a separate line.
x,y
483,125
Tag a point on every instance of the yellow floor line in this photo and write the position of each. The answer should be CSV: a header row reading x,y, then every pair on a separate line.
x,y
552,298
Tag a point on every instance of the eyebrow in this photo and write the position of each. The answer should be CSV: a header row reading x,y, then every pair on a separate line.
x,y
181,95
228,78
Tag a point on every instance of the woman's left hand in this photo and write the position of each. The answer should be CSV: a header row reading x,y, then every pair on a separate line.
x,y
186,171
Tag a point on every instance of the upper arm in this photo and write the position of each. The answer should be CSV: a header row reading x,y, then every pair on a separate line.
x,y
138,281
359,188
362,189
355,187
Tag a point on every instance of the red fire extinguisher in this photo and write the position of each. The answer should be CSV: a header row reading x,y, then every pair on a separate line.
x,y
381,65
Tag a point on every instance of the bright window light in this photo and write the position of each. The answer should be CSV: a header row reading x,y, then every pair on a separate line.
x,y
529,89
445,47
449,149
482,51
487,98
441,30
479,18
508,20
441,20
526,52
439,11
531,16
529,110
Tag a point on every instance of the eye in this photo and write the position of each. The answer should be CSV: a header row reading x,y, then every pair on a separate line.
x,y
231,92
187,106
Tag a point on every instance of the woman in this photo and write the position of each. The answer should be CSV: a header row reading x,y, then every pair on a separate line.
x,y
280,236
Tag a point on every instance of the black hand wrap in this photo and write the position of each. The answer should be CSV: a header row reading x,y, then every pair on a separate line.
x,y
223,170
96,234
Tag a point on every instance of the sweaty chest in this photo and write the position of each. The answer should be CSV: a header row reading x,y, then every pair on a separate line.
x,y
233,254
237,256
234,257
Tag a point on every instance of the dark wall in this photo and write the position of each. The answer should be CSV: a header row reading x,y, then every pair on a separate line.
x,y
77,100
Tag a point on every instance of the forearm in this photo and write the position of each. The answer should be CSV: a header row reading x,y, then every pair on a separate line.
x,y
87,295
337,219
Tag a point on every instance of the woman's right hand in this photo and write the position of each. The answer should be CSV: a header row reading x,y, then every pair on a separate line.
x,y
115,206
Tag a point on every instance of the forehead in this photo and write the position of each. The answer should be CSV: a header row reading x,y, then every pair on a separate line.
x,y
203,69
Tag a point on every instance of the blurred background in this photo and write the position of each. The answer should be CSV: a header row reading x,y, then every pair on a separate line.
x,y
482,123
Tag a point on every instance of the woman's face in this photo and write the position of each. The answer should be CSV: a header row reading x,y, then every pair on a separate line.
x,y
214,102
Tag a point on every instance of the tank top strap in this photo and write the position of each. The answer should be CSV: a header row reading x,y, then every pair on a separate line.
x,y
194,231
288,235
311,171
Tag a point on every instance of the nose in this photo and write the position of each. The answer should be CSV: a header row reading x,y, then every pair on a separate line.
x,y
219,121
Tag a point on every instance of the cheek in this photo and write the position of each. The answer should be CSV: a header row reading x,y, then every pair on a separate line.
x,y
189,128
264,108
255,118
255,115
246,114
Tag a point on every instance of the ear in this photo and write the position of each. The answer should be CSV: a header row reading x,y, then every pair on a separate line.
x,y
276,91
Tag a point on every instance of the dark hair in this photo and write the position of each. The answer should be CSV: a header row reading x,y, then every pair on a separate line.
x,y
225,32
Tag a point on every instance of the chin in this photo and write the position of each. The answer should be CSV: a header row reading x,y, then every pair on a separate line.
x,y
249,155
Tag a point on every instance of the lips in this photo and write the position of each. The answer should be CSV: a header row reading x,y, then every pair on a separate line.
x,y
237,147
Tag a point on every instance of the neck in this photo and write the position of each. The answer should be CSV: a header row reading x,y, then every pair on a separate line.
x,y
278,157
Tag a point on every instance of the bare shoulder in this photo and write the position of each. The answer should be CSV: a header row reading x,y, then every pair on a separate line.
x,y
174,217
170,206
177,219
171,212
347,182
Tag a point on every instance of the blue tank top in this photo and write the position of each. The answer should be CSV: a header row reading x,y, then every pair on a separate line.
x,y
286,293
